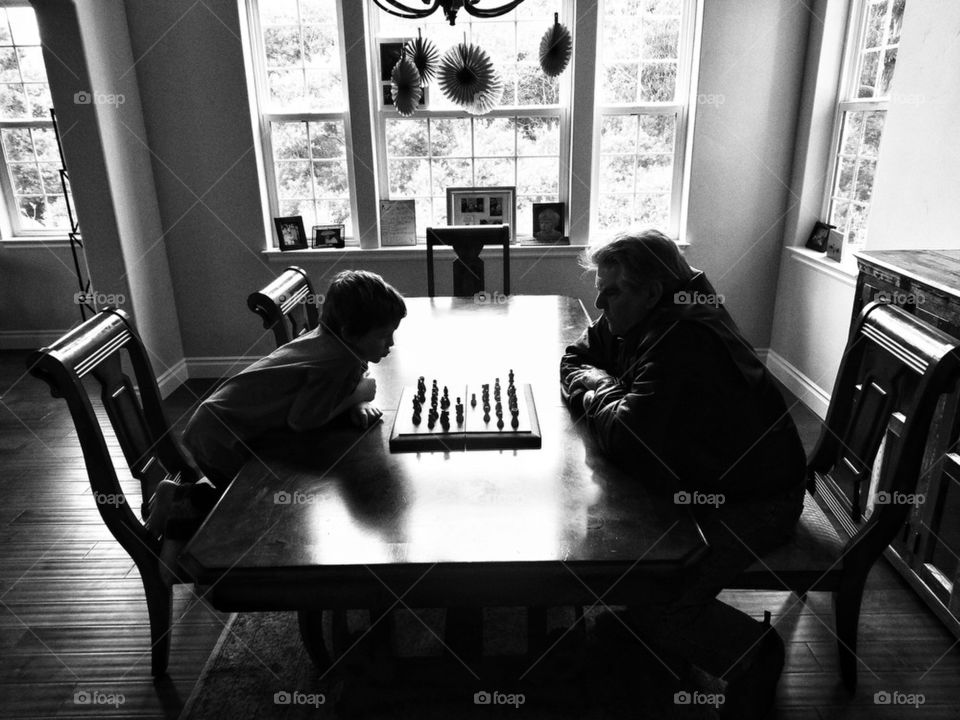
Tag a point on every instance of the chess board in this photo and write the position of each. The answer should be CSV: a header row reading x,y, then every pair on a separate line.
x,y
477,430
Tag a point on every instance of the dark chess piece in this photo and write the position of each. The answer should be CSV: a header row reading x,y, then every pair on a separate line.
x,y
500,422
473,400
515,422
416,417
486,415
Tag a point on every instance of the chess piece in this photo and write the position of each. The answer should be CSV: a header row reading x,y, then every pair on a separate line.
x,y
500,423
473,400
486,415
515,422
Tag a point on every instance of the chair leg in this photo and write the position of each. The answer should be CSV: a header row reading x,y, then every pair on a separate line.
x,y
159,609
847,602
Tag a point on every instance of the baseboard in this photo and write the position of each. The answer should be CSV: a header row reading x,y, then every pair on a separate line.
x,y
18,340
172,378
218,367
809,393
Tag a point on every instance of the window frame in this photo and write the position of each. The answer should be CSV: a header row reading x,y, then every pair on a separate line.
x,y
688,44
262,87
381,114
847,102
11,229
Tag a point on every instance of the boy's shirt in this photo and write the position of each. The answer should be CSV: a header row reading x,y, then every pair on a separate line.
x,y
297,386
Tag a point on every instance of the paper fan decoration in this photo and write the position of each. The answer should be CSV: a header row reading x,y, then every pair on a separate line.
x,y
405,86
425,56
556,47
468,79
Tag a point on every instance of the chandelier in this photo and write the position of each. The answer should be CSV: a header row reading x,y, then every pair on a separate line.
x,y
401,9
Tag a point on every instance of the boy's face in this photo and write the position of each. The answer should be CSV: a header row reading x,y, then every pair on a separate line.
x,y
375,344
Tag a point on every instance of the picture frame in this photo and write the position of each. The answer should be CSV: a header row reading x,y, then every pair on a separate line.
x,y
290,233
328,236
835,245
819,236
388,51
483,206
398,222
547,223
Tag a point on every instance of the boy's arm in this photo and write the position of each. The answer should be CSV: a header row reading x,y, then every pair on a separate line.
x,y
317,403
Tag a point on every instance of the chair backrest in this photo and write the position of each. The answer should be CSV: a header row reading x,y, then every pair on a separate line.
x,y
99,347
287,305
894,371
467,241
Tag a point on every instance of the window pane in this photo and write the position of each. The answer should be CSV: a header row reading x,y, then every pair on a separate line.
x,y
38,95
17,144
13,102
330,178
451,173
23,26
537,175
658,82
494,136
538,136
407,138
619,83
293,179
408,177
498,171
451,137
326,140
282,46
9,70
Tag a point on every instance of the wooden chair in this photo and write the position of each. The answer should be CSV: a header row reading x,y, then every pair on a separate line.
x,y
894,370
279,304
468,242
135,412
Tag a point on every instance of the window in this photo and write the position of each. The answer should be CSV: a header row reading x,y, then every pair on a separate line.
x,y
643,81
519,143
30,176
303,109
873,39
630,170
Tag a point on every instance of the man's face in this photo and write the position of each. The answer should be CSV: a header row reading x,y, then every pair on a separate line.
x,y
375,344
623,307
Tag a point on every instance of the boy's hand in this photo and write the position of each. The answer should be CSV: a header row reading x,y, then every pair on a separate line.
x,y
363,415
366,390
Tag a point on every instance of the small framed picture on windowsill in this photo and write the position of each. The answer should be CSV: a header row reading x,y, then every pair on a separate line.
x,y
819,236
290,233
328,236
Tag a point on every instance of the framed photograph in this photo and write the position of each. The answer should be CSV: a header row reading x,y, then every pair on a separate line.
x,y
548,223
328,236
390,49
819,236
290,233
835,245
482,206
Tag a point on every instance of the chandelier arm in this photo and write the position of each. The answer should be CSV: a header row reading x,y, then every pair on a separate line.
x,y
400,10
472,9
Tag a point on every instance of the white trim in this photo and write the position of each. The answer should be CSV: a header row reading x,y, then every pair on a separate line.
x,y
808,392
172,378
29,339
416,253
39,242
821,263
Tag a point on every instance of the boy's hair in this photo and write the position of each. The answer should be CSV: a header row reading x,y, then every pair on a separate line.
x,y
646,256
358,301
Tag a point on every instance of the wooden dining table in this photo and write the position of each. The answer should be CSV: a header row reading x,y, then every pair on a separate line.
x,y
332,519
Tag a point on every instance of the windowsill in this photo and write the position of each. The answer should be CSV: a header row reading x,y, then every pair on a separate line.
x,y
35,243
845,271
414,252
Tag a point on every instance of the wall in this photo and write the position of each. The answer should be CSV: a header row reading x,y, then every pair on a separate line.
x,y
915,196
190,73
87,50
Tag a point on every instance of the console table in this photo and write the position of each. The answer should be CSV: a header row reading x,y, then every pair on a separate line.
x,y
926,283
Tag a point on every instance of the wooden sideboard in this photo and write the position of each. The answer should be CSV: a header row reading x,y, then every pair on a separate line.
x,y
926,283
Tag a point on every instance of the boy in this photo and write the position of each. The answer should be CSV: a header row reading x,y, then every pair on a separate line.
x,y
300,386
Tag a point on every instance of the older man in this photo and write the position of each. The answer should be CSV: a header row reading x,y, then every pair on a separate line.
x,y
671,390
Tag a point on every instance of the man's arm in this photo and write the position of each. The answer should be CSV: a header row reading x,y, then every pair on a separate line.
x,y
587,364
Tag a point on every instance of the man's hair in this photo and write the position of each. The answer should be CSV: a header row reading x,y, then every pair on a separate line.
x,y
358,301
643,257
550,213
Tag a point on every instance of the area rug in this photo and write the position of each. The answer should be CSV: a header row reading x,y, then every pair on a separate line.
x,y
260,669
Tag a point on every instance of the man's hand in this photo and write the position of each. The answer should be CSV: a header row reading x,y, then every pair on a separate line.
x,y
588,378
364,415
366,390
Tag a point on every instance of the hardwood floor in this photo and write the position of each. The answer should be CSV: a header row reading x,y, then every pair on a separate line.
x,y
73,617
